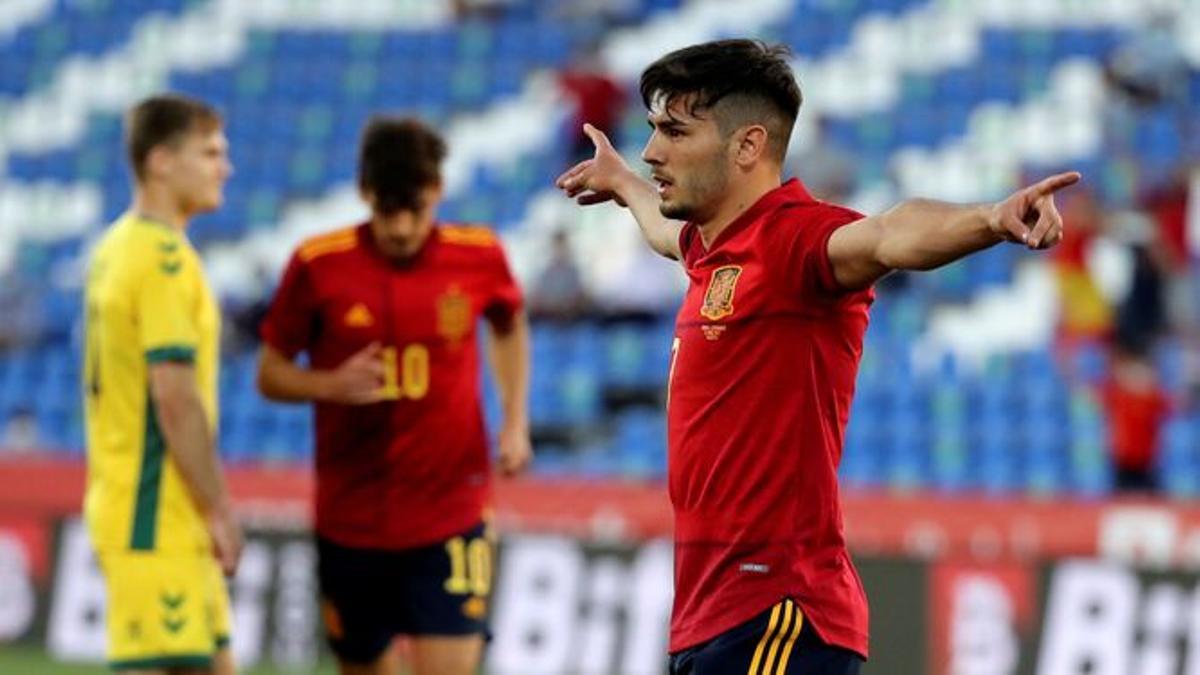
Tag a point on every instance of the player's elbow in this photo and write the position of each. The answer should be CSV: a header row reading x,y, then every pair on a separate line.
x,y
859,253
888,257
266,381
271,378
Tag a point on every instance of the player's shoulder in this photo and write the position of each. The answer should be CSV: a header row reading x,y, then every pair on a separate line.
x,y
472,235
135,243
817,212
131,233
808,220
341,240
839,213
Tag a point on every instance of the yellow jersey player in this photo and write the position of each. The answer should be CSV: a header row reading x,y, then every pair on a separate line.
x,y
157,507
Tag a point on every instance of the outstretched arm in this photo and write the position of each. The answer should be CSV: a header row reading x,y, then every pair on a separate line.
x,y
922,234
606,177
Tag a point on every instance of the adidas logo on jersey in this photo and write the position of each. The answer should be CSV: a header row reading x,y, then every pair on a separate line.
x,y
358,316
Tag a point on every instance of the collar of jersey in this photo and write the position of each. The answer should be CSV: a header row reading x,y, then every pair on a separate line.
x,y
153,222
367,241
791,190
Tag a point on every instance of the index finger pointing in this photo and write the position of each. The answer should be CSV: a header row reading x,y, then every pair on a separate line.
x,y
1056,182
598,138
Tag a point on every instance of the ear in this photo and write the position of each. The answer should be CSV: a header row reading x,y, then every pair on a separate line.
x,y
751,145
437,192
368,196
159,160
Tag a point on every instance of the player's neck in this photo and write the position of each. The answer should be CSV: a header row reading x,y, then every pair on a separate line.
x,y
744,192
152,204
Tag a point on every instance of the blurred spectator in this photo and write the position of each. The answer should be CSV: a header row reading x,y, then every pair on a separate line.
x,y
1085,313
488,10
558,292
646,286
611,13
827,168
1136,406
597,98
1142,314
1148,71
243,315
239,330
24,320
1150,67
1168,206
20,431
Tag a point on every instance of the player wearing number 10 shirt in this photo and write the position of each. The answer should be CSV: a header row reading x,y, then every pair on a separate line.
x,y
387,313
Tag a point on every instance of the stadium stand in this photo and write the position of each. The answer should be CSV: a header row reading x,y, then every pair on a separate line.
x,y
963,386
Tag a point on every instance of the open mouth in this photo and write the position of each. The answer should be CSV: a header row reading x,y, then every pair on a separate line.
x,y
663,183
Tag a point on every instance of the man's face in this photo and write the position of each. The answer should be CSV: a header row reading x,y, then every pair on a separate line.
x,y
401,234
689,160
196,169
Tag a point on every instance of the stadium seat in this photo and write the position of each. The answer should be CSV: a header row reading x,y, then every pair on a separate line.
x,y
295,99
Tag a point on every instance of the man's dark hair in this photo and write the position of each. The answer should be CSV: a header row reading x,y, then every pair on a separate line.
x,y
164,120
740,81
398,158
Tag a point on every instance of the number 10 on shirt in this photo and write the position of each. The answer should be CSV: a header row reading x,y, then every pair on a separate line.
x,y
408,375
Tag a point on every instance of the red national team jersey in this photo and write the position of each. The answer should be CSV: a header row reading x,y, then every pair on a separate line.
x,y
762,375
413,469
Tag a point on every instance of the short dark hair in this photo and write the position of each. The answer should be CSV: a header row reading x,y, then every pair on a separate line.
x,y
163,120
740,81
399,157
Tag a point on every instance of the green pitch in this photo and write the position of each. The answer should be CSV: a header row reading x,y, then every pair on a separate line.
x,y
25,660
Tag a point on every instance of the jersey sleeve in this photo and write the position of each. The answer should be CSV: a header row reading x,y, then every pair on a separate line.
x,y
504,298
806,249
166,310
288,325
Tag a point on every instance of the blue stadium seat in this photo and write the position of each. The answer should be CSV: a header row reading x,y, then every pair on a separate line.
x,y
295,101
641,444
552,460
908,457
70,29
949,460
565,387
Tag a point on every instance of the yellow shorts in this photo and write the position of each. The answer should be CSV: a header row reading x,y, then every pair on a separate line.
x,y
164,610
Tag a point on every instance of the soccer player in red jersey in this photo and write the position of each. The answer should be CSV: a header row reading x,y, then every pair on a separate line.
x,y
387,313
766,350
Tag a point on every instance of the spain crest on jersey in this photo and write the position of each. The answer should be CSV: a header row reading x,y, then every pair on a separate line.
x,y
718,299
453,314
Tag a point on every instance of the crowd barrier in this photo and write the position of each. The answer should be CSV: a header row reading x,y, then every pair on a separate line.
x,y
958,584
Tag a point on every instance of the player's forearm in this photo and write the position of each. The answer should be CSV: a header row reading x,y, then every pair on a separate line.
x,y
661,233
509,352
189,439
280,379
922,234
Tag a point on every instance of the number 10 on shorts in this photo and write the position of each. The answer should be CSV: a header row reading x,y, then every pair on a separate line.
x,y
470,566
